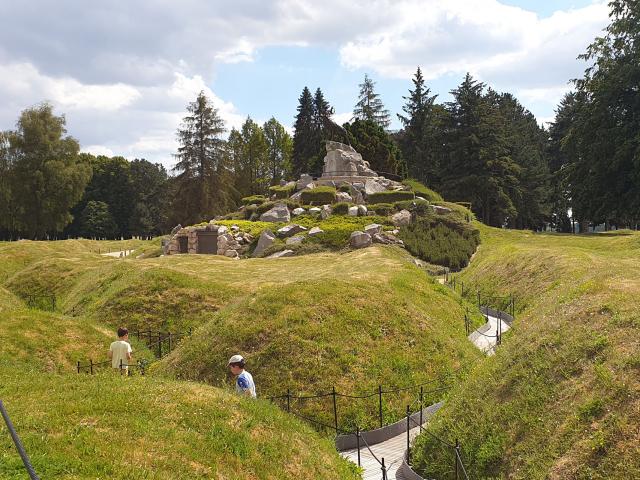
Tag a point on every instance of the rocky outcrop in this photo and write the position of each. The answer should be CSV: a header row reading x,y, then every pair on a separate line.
x,y
373,229
402,218
290,230
282,253
360,240
315,231
353,211
278,214
373,186
326,212
343,161
265,241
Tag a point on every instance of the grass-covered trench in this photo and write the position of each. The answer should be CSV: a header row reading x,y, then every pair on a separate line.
x,y
561,399
354,320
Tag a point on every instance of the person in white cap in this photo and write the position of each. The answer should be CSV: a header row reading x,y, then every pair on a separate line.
x,y
244,380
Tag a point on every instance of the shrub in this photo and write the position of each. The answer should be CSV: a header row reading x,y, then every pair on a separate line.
x,y
421,206
254,200
390,196
284,191
341,208
420,190
381,208
441,240
345,188
250,210
319,195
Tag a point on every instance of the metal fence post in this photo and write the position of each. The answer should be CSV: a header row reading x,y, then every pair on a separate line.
x,y
18,444
455,458
288,400
380,403
408,438
358,444
335,409
421,405
384,470
120,367
91,366
78,366
159,345
170,342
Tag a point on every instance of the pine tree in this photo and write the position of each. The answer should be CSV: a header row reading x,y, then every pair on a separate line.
x,y
279,150
199,191
304,143
322,112
369,106
421,138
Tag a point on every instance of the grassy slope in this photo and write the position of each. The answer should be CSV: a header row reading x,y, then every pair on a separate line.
x,y
562,397
107,426
352,321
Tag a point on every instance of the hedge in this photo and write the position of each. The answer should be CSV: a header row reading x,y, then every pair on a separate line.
x,y
346,187
382,208
319,196
421,191
254,200
390,196
341,208
284,191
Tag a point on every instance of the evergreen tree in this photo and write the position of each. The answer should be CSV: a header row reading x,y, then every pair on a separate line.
x,y
421,139
252,169
304,136
279,150
478,167
199,191
322,112
376,146
96,221
369,106
48,177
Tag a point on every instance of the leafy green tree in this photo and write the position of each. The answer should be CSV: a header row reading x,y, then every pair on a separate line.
x,y
96,221
478,167
603,180
369,106
304,135
279,150
48,177
9,209
150,194
376,146
199,190
422,136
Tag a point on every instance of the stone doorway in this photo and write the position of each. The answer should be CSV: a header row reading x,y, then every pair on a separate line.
x,y
183,244
207,242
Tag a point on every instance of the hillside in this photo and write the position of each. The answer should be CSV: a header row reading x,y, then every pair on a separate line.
x,y
107,426
561,399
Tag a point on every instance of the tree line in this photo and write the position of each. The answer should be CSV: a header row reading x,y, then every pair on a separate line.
x,y
481,147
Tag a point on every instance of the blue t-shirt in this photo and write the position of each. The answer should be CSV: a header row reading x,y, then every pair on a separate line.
x,y
244,382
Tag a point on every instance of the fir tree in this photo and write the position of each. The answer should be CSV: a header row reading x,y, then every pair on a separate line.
x,y
304,141
369,106
198,187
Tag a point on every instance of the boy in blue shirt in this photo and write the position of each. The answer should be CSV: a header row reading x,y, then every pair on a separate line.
x,y
244,380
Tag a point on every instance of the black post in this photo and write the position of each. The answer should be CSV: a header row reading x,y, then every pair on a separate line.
x,y
380,403
18,444
138,334
78,366
408,438
288,400
421,406
384,470
170,342
141,368
91,366
358,443
335,410
120,367
159,345
455,457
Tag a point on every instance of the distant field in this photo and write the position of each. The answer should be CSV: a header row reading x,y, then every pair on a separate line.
x,y
562,397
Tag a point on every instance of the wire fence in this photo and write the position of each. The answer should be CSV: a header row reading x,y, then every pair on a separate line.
x,y
160,343
41,301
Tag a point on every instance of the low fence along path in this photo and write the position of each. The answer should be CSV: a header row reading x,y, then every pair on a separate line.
x,y
487,337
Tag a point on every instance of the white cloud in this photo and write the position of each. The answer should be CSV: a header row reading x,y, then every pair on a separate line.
x,y
342,118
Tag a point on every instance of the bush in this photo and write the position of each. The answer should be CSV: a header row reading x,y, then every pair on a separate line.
x,y
254,200
381,208
284,191
420,190
390,196
250,210
345,188
341,208
421,206
319,196
441,240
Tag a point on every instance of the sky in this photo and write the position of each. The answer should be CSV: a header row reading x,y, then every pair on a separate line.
x,y
122,72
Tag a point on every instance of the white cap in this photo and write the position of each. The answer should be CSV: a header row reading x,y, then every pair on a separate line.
x,y
235,359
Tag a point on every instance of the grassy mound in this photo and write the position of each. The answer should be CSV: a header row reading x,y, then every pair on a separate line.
x,y
109,426
561,398
352,321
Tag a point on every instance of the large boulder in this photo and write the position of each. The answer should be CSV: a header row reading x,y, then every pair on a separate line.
x,y
297,211
315,210
265,241
360,240
343,197
353,211
282,253
402,218
373,186
290,230
373,229
279,213
362,210
326,212
343,161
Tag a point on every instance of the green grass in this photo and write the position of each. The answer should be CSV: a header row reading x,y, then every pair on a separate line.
x,y
318,196
422,191
108,426
560,399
